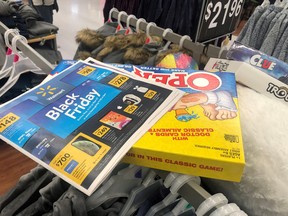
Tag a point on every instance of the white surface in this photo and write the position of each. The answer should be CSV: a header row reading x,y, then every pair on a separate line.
x,y
73,16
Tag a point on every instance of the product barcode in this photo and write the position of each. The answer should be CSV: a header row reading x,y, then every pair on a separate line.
x,y
231,138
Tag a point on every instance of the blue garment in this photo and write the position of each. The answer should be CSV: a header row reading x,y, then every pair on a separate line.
x,y
262,26
270,41
283,34
266,18
284,53
244,36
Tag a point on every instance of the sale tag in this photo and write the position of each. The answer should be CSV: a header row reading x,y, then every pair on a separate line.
x,y
8,120
219,18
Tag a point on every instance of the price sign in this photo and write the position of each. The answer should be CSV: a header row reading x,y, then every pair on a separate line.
x,y
219,18
7,121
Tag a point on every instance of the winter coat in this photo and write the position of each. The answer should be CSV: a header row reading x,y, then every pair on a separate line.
x,y
43,2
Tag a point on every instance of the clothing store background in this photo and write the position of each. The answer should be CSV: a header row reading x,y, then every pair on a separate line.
x,y
74,16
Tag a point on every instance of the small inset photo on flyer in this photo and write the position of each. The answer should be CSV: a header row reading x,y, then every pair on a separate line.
x,y
86,146
115,120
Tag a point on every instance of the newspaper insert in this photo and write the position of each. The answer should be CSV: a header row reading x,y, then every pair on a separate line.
x,y
82,122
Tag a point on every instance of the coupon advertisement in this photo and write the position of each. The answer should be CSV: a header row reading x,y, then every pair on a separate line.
x,y
81,123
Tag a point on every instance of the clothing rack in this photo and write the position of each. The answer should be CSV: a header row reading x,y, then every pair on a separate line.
x,y
28,51
196,48
191,191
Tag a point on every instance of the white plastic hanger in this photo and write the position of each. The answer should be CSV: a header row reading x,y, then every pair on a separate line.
x,y
278,3
216,200
110,14
138,24
128,28
238,213
165,32
265,3
182,39
7,66
175,181
285,4
21,64
225,210
149,38
120,26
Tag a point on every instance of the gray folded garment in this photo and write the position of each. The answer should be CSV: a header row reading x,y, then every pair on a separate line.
x,y
41,28
49,194
28,196
107,29
24,182
6,9
72,202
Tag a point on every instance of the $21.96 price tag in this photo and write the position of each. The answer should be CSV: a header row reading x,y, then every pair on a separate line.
x,y
219,18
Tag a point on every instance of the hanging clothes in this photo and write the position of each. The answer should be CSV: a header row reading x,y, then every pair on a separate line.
x,y
266,30
282,35
109,46
181,16
246,33
130,190
262,26
271,39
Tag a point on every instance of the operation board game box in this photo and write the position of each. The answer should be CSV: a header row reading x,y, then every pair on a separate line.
x,y
201,134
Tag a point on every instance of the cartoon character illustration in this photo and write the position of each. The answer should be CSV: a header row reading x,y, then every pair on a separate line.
x,y
217,105
131,99
184,116
115,120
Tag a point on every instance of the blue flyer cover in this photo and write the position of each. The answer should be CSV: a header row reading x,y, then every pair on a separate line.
x,y
62,66
81,123
268,64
